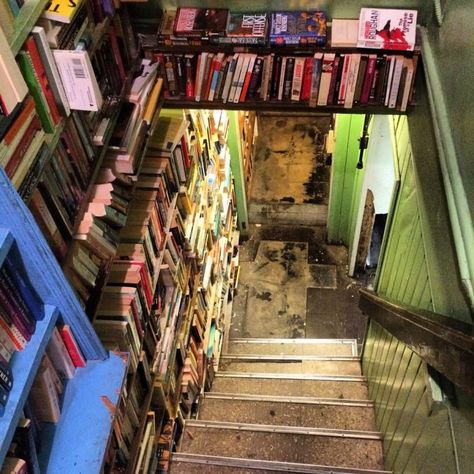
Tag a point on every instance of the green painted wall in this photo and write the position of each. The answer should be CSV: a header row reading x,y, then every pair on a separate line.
x,y
415,424
346,179
233,142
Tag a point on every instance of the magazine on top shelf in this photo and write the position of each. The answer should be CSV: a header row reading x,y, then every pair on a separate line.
x,y
298,27
200,22
385,28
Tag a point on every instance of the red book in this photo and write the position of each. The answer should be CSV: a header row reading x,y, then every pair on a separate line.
x,y
43,79
117,53
28,107
189,77
72,346
248,76
22,147
12,333
185,149
307,75
208,73
369,77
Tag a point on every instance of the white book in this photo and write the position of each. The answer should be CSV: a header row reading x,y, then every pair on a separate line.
x,y
78,79
397,75
235,78
243,73
408,63
282,78
344,33
200,75
297,81
13,88
352,80
326,75
51,69
390,77
229,77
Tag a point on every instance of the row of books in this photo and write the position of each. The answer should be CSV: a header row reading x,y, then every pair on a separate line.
x,y
189,25
58,365
319,80
378,28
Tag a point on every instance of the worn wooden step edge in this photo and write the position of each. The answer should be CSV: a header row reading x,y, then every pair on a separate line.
x,y
315,377
281,429
256,340
291,467
290,399
289,358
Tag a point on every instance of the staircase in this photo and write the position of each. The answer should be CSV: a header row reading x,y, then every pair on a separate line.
x,y
284,405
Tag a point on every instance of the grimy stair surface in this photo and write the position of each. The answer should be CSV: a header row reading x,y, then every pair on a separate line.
x,y
327,367
288,414
283,447
308,388
321,347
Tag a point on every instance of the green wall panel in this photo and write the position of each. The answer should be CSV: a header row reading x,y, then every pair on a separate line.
x,y
345,178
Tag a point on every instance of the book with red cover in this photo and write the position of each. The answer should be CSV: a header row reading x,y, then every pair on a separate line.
x,y
28,107
43,78
248,76
72,346
11,331
307,75
199,22
368,80
22,147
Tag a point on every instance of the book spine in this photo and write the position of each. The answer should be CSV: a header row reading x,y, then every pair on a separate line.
x,y
368,80
345,73
255,81
6,378
247,78
315,79
289,69
72,347
326,76
281,83
15,336
307,75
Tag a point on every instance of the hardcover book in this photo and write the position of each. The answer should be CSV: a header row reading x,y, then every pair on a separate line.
x,y
199,22
298,27
62,10
384,28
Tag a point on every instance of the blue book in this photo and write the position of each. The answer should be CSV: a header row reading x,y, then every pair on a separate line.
x,y
24,287
298,28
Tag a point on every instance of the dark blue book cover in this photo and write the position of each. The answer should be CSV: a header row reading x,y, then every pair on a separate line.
x,y
298,28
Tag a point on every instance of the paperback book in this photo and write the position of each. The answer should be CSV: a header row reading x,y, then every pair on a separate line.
x,y
384,28
298,28
200,22
245,28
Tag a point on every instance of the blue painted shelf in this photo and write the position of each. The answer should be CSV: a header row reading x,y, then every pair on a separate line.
x,y
6,241
77,443
24,366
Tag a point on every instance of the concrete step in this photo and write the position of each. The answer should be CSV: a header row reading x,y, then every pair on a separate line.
x,y
340,388
285,366
285,213
307,347
185,463
297,411
355,449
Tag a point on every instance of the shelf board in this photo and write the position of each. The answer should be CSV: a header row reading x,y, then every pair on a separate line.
x,y
278,105
6,241
24,366
24,22
88,411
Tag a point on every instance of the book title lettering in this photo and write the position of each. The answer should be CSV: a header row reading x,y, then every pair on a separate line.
x,y
56,7
371,25
256,22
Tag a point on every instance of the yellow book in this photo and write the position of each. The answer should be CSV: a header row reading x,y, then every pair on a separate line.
x,y
152,101
62,10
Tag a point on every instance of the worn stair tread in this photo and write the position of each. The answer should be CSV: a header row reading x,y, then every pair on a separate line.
x,y
287,413
338,389
283,447
326,367
184,463
315,347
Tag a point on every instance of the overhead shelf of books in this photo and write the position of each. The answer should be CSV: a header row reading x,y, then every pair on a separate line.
x,y
286,60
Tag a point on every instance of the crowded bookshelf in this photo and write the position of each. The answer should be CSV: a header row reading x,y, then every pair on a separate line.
x,y
127,153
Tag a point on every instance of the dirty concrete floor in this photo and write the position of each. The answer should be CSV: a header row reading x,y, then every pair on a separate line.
x,y
290,163
292,284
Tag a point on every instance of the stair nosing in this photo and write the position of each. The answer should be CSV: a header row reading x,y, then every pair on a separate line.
x,y
297,468
290,357
258,340
286,399
286,376
303,430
